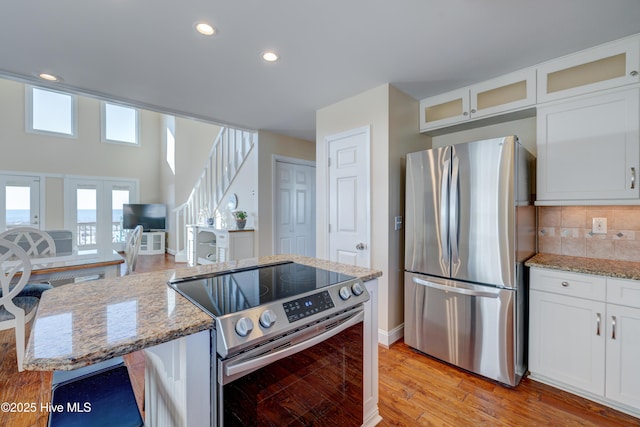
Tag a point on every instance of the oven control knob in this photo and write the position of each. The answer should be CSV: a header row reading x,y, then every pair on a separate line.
x,y
345,293
268,318
244,326
356,288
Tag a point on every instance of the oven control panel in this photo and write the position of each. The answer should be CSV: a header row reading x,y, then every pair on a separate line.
x,y
307,306
252,327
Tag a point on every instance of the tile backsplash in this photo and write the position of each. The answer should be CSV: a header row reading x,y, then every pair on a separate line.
x,y
567,230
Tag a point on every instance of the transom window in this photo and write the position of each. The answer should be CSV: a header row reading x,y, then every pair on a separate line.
x,y
119,123
51,112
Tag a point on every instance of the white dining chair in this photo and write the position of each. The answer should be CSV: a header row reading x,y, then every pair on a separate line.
x,y
36,243
15,310
132,248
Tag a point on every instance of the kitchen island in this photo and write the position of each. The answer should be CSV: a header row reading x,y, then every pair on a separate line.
x,y
86,323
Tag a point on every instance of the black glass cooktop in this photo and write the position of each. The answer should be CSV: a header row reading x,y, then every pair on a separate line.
x,y
220,294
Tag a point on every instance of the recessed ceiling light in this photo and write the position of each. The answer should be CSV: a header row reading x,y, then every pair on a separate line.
x,y
205,29
270,56
48,77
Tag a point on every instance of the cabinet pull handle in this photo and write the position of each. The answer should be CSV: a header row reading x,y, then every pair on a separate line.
x,y
565,284
613,327
633,178
598,324
633,73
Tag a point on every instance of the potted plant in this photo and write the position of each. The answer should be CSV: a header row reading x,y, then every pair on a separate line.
x,y
241,219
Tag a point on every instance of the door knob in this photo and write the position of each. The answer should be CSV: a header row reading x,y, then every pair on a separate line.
x,y
360,246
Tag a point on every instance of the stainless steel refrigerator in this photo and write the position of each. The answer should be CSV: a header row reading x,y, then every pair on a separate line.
x,y
470,225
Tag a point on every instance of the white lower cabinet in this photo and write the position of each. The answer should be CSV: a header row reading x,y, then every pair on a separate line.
x,y
206,245
582,340
564,342
623,355
152,243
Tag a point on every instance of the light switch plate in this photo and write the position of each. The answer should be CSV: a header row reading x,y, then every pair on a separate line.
x,y
398,223
599,226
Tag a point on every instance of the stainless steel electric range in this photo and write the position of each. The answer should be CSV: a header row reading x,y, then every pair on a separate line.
x,y
288,344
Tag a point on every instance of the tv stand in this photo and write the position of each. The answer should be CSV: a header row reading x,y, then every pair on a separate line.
x,y
152,243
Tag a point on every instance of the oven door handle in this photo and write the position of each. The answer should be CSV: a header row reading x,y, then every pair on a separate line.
x,y
238,368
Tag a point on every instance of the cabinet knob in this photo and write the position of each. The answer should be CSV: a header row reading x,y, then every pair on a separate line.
x,y
473,110
565,284
465,114
633,73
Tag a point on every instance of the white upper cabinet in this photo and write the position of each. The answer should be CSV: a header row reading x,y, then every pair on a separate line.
x,y
444,110
608,66
504,94
589,150
603,67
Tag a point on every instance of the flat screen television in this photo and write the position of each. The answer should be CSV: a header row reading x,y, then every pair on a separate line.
x,y
151,216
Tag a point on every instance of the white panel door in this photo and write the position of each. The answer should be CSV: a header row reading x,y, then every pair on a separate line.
x,y
294,210
349,183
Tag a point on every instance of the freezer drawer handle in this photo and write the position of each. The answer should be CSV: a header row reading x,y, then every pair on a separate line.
x,y
463,291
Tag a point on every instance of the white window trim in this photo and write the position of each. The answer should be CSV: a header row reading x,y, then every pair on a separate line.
x,y
29,113
103,125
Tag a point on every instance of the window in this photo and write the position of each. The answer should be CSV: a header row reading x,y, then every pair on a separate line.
x,y
119,123
51,112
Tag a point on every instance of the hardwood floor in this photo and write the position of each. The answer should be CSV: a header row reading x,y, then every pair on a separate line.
x,y
414,390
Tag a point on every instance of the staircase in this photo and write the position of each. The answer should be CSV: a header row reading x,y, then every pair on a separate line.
x,y
228,153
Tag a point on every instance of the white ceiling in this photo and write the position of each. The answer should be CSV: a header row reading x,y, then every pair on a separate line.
x,y
146,52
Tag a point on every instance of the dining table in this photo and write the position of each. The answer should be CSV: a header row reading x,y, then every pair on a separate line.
x,y
79,265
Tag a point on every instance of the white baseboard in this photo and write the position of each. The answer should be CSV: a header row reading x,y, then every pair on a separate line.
x,y
386,338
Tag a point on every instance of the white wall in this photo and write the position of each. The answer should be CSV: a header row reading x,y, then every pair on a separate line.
x,y
194,140
85,155
393,119
525,129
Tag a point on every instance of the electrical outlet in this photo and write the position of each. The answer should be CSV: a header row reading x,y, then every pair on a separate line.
x,y
599,226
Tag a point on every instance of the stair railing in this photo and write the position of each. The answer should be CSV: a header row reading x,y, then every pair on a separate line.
x,y
228,153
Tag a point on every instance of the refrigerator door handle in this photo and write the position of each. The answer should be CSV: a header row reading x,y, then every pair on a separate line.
x,y
454,228
463,291
444,189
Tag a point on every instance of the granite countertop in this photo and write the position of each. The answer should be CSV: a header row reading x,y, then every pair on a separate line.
x,y
601,267
85,323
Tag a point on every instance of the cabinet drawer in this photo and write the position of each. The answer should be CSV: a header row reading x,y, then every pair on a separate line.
x,y
572,284
623,292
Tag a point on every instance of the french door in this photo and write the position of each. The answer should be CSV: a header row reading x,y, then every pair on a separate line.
x,y
93,211
19,201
